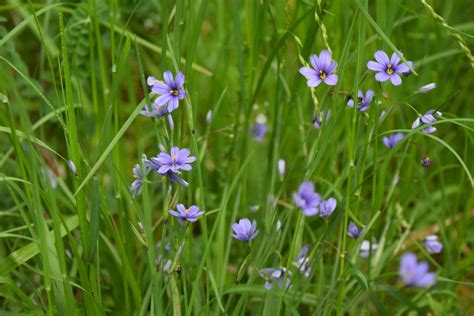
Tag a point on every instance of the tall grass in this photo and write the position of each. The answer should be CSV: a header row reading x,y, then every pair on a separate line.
x,y
72,84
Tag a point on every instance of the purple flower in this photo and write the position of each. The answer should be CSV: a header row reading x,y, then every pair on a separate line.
x,y
178,159
275,275
302,261
323,70
155,164
426,88
186,214
392,140
245,230
170,91
432,244
317,122
156,110
353,231
139,174
260,128
258,131
387,69
426,162
426,119
307,199
363,102
413,273
327,207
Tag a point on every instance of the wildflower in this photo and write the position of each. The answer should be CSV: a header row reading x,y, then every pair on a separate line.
x,y
186,214
72,167
387,69
275,275
413,273
353,231
426,162
323,70
426,119
302,261
307,199
392,140
260,128
156,110
327,207
154,164
363,101
317,122
366,247
178,159
432,244
281,167
244,230
170,91
136,186
426,88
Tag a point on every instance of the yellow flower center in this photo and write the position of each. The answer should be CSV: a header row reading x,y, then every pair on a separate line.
x,y
174,92
186,211
174,157
389,69
322,75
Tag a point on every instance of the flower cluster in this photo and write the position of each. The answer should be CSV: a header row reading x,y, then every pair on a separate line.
x,y
278,276
311,203
414,273
425,121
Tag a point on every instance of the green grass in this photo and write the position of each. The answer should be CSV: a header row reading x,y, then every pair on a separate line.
x,y
72,84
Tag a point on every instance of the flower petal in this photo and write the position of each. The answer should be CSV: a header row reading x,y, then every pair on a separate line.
x,y
163,99
368,96
168,77
314,82
160,88
395,59
325,60
395,79
314,62
402,68
332,67
331,80
173,104
381,57
308,73
311,211
179,80
382,76
374,66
